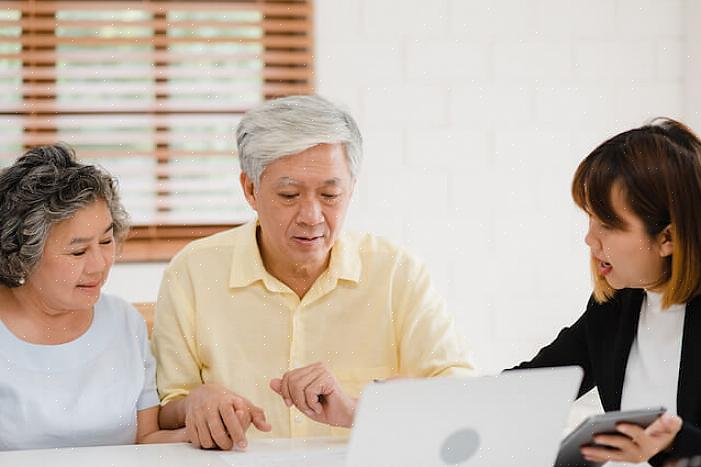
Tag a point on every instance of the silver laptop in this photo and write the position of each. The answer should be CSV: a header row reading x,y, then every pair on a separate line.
x,y
516,418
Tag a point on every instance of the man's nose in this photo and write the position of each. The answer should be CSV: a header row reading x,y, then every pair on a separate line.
x,y
310,212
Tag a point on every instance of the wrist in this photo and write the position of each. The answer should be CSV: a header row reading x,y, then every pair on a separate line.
x,y
350,412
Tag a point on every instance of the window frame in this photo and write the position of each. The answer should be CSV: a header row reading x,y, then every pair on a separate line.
x,y
159,242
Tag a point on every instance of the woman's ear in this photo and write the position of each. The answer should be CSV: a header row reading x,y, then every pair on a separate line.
x,y
665,242
249,190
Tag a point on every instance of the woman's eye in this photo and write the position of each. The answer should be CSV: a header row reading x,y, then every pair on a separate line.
x,y
106,241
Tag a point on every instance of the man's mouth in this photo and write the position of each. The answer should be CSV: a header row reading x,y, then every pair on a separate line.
x,y
308,238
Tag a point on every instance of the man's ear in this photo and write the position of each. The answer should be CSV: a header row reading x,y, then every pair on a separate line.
x,y
665,242
249,190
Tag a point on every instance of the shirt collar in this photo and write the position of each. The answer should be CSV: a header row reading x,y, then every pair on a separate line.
x,y
246,262
345,261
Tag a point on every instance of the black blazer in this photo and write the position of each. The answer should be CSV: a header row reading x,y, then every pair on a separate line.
x,y
600,342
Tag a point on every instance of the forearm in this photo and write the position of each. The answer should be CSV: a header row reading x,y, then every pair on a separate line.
x,y
164,436
172,415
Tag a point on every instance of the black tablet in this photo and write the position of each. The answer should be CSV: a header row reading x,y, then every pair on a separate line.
x,y
569,455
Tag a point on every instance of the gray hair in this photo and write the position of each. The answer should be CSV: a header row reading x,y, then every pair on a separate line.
x,y
42,188
290,125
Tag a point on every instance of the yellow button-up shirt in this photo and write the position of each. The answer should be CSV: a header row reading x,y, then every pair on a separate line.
x,y
221,317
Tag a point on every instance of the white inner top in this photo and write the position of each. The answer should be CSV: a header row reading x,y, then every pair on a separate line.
x,y
652,373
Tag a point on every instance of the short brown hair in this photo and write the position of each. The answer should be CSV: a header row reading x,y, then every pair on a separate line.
x,y
658,168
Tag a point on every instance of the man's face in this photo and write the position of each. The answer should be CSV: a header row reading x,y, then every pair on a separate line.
x,y
301,203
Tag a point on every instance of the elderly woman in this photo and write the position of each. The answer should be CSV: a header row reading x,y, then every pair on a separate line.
x,y
77,366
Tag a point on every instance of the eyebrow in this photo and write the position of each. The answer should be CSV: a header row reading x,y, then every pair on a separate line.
x,y
283,181
87,239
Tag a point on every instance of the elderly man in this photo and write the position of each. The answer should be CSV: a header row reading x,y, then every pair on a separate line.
x,y
287,315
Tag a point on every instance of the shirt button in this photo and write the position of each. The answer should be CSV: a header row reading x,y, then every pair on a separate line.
x,y
298,419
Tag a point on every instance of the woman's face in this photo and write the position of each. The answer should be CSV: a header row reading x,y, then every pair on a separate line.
x,y
78,255
628,257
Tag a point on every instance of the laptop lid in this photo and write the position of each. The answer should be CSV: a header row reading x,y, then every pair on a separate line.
x,y
515,418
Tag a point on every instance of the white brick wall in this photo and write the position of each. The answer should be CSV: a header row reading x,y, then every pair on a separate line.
x,y
475,114
691,64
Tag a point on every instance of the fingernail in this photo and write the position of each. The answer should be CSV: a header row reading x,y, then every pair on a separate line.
x,y
243,444
288,402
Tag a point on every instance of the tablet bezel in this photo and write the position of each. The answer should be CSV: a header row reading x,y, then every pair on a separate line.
x,y
569,454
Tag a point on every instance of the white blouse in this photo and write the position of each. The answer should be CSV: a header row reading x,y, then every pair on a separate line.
x,y
82,393
652,373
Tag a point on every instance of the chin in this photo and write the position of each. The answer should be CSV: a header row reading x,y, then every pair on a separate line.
x,y
615,285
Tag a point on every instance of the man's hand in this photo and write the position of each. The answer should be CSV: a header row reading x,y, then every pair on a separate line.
x,y
216,417
637,444
315,392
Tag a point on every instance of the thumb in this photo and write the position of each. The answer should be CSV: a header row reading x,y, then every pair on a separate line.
x,y
276,385
672,423
665,423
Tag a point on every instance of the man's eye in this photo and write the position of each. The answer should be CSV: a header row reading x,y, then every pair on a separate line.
x,y
78,253
330,195
288,195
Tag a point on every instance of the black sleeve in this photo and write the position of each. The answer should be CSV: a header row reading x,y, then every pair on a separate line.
x,y
686,444
570,347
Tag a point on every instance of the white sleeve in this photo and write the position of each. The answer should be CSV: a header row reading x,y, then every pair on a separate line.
x,y
149,395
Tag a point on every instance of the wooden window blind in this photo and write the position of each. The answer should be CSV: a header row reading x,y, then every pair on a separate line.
x,y
152,91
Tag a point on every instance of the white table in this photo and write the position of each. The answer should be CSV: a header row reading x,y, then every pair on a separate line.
x,y
326,452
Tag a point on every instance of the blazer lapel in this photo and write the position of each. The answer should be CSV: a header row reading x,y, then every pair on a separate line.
x,y
628,328
689,388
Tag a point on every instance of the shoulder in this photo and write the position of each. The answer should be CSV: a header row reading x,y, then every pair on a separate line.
x,y
384,258
210,250
217,242
379,247
623,301
121,314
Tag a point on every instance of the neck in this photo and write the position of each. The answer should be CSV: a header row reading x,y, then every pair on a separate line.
x,y
297,276
32,320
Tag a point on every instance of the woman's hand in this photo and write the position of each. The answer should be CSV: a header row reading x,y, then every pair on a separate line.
x,y
636,444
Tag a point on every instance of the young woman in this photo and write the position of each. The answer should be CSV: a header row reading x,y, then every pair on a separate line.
x,y
77,368
638,338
